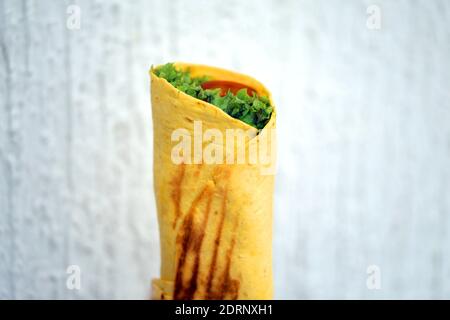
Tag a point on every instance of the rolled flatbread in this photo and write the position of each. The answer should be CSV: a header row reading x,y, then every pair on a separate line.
x,y
215,219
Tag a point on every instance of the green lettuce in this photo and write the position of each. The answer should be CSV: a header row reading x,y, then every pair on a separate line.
x,y
254,110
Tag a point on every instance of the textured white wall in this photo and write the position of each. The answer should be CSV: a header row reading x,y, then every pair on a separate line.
x,y
364,130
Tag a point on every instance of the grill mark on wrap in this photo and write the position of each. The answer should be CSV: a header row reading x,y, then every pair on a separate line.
x,y
191,239
198,244
227,284
212,268
176,192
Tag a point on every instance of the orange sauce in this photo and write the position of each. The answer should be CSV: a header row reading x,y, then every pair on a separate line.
x,y
224,86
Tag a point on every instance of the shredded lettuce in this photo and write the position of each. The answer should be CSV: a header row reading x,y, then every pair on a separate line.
x,y
254,110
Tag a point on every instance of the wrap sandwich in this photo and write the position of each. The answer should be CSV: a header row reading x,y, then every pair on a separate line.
x,y
214,157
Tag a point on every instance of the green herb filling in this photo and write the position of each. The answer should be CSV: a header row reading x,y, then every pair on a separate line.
x,y
254,110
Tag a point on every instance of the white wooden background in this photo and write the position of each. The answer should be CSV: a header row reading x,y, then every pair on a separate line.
x,y
364,130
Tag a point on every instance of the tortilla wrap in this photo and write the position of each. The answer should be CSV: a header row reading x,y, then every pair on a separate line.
x,y
215,220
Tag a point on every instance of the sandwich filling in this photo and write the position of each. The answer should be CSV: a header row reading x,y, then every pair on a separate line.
x,y
236,99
